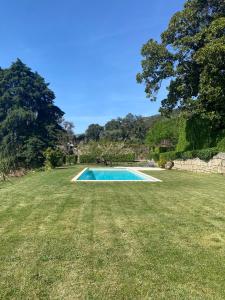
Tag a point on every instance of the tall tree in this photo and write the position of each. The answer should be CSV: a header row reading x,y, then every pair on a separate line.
x,y
192,54
29,119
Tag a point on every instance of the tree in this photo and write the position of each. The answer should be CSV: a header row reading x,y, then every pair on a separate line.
x,y
67,137
29,120
93,132
131,128
191,54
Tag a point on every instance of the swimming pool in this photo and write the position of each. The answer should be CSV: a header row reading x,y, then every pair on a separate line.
x,y
111,174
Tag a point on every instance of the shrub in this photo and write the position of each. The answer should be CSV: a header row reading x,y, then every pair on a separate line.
x,y
6,166
53,158
162,162
127,157
88,158
71,159
154,156
171,155
221,145
204,154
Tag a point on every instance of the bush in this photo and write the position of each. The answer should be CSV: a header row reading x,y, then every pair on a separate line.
x,y
71,159
221,145
6,166
204,154
88,158
171,155
53,158
127,157
154,156
162,162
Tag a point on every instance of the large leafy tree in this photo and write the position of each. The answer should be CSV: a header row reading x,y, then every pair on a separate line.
x,y
191,54
29,119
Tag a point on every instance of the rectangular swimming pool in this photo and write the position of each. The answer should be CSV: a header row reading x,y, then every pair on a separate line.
x,y
111,174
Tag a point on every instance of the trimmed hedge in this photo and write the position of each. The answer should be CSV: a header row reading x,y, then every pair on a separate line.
x,y
87,159
171,155
204,154
128,157
91,158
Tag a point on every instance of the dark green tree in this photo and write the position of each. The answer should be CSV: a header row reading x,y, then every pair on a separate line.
x,y
29,119
191,54
93,132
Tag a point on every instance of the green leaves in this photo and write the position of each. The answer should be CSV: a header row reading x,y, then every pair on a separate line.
x,y
29,120
157,65
192,55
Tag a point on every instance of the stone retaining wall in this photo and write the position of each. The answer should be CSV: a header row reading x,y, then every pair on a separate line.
x,y
215,165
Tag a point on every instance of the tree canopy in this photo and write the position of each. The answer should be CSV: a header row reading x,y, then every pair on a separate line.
x,y
191,54
29,119
93,132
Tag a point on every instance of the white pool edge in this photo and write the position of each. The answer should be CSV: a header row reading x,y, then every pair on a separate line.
x,y
148,177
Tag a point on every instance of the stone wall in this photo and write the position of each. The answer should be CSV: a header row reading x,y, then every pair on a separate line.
x,y
215,165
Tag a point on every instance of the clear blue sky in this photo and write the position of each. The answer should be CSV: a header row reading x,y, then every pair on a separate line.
x,y
88,50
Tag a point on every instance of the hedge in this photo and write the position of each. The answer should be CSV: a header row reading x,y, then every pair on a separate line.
x,y
71,159
87,158
204,154
128,157
154,156
90,158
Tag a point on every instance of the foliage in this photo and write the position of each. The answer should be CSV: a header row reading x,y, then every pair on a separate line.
x,y
29,120
127,157
162,162
203,154
169,156
154,156
163,129
88,158
67,137
93,132
221,145
53,158
6,166
106,151
192,55
194,133
71,159
130,129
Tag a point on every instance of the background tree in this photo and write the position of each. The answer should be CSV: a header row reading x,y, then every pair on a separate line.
x,y
29,120
93,132
192,54
67,138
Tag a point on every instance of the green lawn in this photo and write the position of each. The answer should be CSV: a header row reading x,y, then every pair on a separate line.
x,y
63,240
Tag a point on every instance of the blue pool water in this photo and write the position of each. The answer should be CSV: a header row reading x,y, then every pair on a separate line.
x,y
113,174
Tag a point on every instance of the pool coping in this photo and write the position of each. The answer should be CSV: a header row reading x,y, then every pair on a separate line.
x,y
148,177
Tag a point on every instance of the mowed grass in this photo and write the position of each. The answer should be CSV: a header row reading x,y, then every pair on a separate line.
x,y
63,240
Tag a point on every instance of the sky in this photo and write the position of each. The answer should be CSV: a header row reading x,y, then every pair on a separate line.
x,y
88,50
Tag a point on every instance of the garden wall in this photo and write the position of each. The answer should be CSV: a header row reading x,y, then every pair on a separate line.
x,y
215,165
